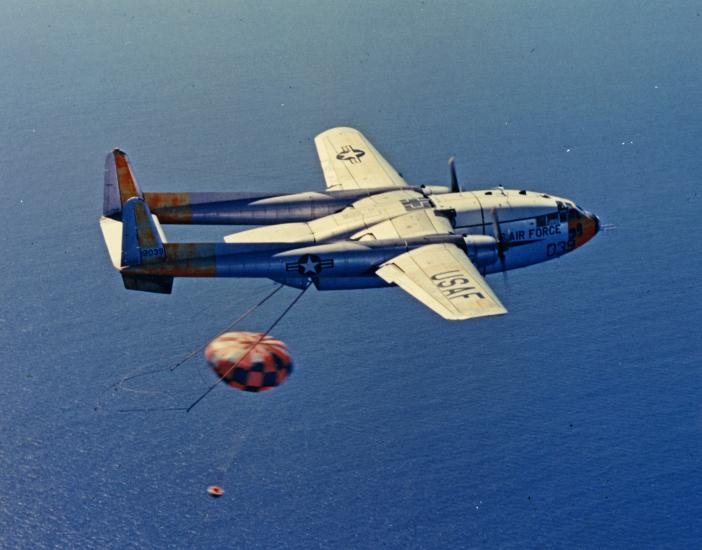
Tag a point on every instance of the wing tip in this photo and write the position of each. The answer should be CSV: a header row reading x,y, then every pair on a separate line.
x,y
336,129
464,317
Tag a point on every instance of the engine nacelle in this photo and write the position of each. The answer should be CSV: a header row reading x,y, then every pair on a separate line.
x,y
434,189
481,249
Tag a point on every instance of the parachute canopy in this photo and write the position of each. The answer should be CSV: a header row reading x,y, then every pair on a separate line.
x,y
249,361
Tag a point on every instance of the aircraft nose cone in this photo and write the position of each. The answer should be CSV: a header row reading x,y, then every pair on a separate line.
x,y
591,225
583,227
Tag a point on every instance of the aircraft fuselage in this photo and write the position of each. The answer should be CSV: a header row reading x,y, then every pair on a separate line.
x,y
536,226
341,249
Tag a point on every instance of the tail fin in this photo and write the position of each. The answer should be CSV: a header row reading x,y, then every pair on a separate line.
x,y
133,236
120,184
142,237
142,245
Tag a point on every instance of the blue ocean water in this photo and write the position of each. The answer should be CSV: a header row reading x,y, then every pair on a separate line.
x,y
574,421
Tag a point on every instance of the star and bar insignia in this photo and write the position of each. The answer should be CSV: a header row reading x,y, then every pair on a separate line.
x,y
309,264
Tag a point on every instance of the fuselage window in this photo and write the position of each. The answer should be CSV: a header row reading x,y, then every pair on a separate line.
x,y
547,219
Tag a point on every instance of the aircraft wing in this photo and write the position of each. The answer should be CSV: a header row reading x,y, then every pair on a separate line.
x,y
443,278
416,223
349,161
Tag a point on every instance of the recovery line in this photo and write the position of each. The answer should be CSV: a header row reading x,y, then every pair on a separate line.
x,y
260,338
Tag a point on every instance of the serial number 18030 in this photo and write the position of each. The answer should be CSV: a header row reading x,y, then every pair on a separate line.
x,y
149,252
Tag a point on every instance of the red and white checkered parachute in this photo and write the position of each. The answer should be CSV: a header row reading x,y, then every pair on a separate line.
x,y
249,361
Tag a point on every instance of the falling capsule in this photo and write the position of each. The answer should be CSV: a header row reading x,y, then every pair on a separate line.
x,y
249,361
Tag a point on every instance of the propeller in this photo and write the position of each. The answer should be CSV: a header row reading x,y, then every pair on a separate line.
x,y
455,188
502,243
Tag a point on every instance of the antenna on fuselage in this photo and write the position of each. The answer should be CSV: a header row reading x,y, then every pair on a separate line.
x,y
455,188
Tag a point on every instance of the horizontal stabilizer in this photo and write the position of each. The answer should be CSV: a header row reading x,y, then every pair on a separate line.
x,y
112,234
148,283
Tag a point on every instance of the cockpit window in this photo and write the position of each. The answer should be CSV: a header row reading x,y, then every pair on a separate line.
x,y
574,214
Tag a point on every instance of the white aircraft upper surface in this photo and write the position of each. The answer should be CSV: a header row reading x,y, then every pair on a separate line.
x,y
369,228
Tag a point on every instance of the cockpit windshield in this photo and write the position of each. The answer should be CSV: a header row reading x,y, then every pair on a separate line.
x,y
575,213
569,211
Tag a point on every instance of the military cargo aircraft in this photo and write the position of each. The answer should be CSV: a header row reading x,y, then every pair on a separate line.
x,y
368,228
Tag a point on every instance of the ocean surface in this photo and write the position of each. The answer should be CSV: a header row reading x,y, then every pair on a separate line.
x,y
575,421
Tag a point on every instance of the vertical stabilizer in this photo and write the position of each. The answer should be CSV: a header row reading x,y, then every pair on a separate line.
x,y
142,246
120,184
142,241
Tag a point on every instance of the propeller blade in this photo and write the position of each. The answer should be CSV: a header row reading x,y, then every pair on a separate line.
x,y
455,188
501,245
496,228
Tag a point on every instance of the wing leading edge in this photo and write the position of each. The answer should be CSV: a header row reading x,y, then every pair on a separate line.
x,y
349,161
443,278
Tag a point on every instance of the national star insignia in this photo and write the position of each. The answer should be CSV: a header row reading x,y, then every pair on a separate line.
x,y
310,266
